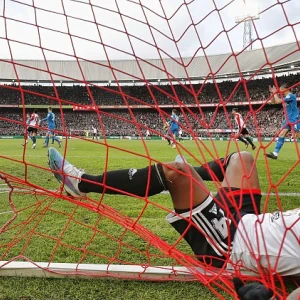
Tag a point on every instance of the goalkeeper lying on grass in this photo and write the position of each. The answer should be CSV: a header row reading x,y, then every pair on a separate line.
x,y
226,229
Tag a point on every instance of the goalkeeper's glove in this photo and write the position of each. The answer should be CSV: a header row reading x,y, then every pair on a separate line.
x,y
251,291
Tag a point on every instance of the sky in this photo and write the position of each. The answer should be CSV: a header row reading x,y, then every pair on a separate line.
x,y
125,29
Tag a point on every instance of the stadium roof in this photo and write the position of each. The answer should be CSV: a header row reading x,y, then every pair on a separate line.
x,y
222,65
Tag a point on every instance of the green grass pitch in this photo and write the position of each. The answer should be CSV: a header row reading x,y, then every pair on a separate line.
x,y
48,219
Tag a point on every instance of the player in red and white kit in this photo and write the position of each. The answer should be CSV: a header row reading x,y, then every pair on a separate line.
x,y
147,134
32,127
95,133
180,139
243,134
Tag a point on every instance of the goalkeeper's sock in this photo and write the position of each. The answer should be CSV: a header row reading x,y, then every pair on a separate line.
x,y
140,182
249,140
214,170
279,145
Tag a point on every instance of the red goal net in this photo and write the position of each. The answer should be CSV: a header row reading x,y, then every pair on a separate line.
x,y
113,73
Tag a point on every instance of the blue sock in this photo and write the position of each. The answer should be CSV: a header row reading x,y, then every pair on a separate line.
x,y
56,139
279,144
47,140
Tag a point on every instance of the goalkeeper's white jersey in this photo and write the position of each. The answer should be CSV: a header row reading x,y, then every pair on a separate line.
x,y
270,241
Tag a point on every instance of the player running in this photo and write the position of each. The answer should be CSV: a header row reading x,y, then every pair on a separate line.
x,y
168,132
27,134
290,123
174,126
225,230
147,135
33,123
180,139
51,127
95,132
243,134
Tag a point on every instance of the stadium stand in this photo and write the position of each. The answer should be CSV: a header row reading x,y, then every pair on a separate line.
x,y
117,122
139,95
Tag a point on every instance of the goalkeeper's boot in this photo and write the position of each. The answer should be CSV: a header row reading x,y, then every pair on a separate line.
x,y
180,158
271,155
68,175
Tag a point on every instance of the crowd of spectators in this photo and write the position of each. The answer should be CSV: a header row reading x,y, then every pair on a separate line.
x,y
124,123
227,91
263,120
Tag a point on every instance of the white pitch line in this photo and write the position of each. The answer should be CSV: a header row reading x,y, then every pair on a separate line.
x,y
8,156
291,194
76,156
6,212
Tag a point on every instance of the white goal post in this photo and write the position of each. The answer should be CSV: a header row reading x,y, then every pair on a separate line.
x,y
133,272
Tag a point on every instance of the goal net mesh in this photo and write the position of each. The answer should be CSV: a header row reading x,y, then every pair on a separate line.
x,y
92,39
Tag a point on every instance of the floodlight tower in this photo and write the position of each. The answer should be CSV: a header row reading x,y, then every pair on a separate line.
x,y
249,14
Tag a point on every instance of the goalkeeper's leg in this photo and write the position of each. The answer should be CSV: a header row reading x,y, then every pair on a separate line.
x,y
179,178
237,170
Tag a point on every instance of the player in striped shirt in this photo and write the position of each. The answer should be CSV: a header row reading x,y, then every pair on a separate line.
x,y
33,123
226,230
243,134
27,134
168,133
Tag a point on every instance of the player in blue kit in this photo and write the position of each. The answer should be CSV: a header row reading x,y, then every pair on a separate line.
x,y
174,126
291,121
51,127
